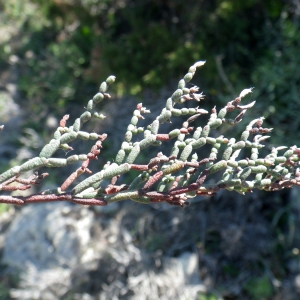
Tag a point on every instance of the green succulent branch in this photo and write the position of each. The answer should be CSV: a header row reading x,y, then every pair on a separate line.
x,y
172,178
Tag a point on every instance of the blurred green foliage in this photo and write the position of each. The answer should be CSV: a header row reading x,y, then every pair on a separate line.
x,y
209,297
259,288
4,292
278,81
4,208
65,47
7,281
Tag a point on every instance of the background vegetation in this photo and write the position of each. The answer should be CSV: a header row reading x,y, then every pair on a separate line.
x,y
61,50
64,48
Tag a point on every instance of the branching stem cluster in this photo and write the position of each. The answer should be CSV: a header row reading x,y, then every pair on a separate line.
x,y
172,178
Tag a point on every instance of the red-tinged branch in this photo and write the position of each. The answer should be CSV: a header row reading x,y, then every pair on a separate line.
x,y
202,177
162,137
92,201
205,193
25,184
71,179
47,198
112,189
11,200
160,158
184,189
33,179
153,179
15,188
139,167
38,198
92,155
158,195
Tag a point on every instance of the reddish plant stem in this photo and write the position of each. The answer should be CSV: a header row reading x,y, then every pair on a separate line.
x,y
38,198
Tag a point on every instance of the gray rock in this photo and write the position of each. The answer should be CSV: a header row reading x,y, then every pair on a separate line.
x,y
47,236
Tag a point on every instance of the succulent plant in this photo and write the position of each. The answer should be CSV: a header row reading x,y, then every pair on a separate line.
x,y
172,177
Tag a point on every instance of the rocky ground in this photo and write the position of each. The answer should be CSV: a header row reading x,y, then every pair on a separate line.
x,y
231,248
